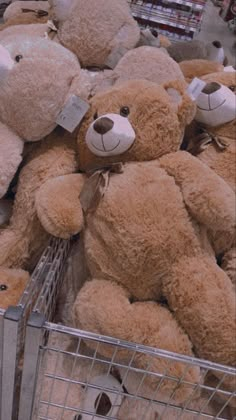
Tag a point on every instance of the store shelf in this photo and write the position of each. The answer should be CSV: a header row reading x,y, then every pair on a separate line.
x,y
170,16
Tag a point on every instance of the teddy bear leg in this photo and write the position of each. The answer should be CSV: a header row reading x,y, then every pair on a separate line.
x,y
104,308
229,264
203,300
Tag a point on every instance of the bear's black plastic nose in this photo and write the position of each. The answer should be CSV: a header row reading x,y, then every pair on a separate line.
x,y
211,88
103,125
217,44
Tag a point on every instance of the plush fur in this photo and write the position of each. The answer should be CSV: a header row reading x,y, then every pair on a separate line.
x,y
145,229
147,63
12,285
199,68
17,10
24,239
96,30
190,50
27,70
151,38
221,161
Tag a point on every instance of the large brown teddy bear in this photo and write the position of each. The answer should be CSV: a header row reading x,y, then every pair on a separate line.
x,y
214,142
31,101
144,218
146,63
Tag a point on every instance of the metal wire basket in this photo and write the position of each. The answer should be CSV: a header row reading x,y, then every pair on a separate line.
x,y
13,326
63,379
66,377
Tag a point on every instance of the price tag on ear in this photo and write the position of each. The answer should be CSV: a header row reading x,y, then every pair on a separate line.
x,y
195,88
72,113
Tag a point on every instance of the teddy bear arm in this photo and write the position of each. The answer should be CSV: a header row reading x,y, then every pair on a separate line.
x,y
58,205
207,196
104,307
11,148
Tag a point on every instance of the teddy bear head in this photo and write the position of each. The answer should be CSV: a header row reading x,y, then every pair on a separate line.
x,y
216,104
36,77
12,286
99,33
134,121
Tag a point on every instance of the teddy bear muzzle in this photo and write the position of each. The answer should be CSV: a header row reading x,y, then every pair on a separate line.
x,y
110,135
216,105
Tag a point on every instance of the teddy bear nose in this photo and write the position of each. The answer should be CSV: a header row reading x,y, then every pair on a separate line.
x,y
217,44
211,88
103,125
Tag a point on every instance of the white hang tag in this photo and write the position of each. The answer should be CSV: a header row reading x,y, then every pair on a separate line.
x,y
195,88
72,113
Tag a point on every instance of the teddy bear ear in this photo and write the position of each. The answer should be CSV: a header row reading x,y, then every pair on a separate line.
x,y
61,9
6,62
181,101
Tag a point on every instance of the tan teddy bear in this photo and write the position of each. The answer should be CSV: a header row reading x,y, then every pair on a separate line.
x,y
30,99
144,224
12,285
199,67
212,137
27,71
100,43
146,63
20,9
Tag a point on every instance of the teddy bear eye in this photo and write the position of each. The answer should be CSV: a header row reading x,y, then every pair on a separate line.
x,y
124,111
95,116
154,33
3,287
233,88
18,58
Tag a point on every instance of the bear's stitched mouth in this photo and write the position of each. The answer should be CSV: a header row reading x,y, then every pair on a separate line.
x,y
104,148
212,109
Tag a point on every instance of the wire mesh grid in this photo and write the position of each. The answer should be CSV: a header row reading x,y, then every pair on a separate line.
x,y
55,267
13,323
46,271
74,381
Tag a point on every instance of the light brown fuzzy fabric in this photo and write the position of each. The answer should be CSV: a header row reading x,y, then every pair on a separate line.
x,y
199,68
12,285
223,162
225,78
42,70
148,63
12,31
24,20
22,242
147,238
145,63
14,10
165,42
94,29
150,100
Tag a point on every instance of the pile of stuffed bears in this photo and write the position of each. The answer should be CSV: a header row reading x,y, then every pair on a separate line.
x,y
101,134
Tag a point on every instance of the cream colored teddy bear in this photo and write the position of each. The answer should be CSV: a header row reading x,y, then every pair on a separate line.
x,y
37,77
